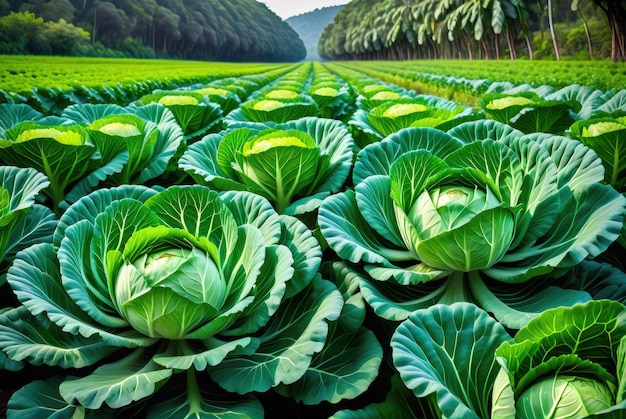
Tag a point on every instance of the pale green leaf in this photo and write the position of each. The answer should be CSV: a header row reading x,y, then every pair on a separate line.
x,y
116,384
450,351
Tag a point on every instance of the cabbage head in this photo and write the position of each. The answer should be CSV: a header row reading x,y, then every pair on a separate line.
x,y
528,112
295,165
276,108
607,137
63,153
374,121
421,111
568,362
218,286
195,113
140,141
334,99
482,213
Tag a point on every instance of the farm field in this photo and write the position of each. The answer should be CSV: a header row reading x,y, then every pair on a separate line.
x,y
603,75
20,74
312,240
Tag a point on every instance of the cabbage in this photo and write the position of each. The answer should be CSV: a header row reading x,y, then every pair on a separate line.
x,y
326,91
63,137
120,129
600,128
505,102
402,109
267,105
281,94
385,95
177,100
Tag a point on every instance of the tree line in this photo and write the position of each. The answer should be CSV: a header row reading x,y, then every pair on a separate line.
x,y
414,29
216,30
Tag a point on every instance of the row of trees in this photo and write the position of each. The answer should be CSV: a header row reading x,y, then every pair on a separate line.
x,y
411,29
232,30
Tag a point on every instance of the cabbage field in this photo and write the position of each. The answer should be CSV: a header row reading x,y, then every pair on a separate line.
x,y
337,239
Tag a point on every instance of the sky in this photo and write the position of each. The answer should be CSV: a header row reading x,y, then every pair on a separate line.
x,y
288,8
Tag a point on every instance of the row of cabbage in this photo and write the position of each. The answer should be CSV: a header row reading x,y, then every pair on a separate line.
x,y
487,76
320,235
93,83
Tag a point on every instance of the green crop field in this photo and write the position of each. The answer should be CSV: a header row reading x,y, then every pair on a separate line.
x,y
20,74
337,239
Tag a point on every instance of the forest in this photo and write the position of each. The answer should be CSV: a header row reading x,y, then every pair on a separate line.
x,y
491,29
219,30
246,30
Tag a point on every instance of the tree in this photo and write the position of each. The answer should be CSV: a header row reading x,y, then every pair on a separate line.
x,y
555,42
65,38
19,32
110,24
615,11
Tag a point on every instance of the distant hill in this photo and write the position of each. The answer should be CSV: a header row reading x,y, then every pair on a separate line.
x,y
310,25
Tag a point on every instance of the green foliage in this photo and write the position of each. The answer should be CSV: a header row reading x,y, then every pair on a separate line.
x,y
23,33
294,165
567,361
184,279
449,216
449,352
239,30
393,30
348,249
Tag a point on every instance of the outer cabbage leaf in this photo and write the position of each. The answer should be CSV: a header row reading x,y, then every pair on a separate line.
x,y
344,369
449,351
116,384
514,305
614,103
400,403
600,280
302,322
42,398
18,189
194,401
24,339
589,98
12,114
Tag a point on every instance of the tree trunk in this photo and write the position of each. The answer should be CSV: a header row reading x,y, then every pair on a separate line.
x,y
615,11
555,43
469,47
93,35
586,26
618,31
496,44
528,46
508,42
